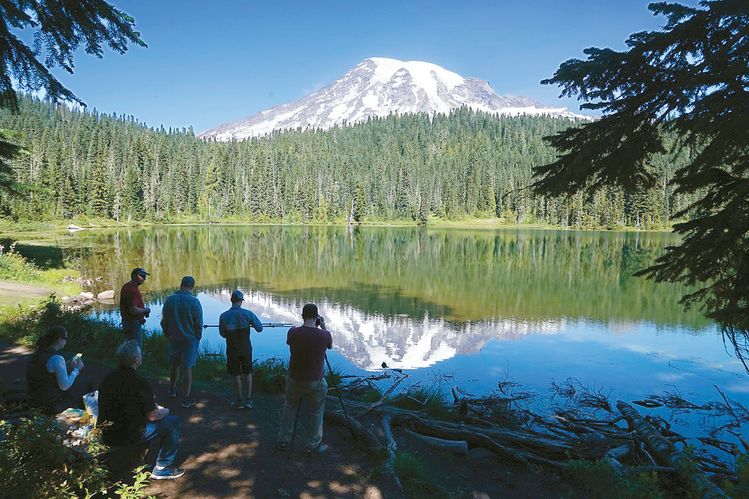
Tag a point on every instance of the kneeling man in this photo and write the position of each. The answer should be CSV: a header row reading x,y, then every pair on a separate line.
x,y
129,415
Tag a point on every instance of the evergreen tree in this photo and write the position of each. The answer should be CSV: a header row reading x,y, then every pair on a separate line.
x,y
690,81
59,27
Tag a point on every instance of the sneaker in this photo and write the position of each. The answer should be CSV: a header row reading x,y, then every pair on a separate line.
x,y
316,451
188,402
282,445
166,473
248,404
237,404
173,393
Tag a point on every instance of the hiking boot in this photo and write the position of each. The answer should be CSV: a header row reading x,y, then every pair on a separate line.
x,y
248,404
237,404
172,392
316,451
188,402
166,473
282,445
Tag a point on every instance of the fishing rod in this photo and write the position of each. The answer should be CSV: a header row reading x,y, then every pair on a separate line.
x,y
264,324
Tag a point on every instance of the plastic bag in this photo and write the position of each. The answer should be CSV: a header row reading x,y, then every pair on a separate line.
x,y
91,401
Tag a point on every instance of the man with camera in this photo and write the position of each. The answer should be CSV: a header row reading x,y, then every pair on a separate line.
x,y
306,388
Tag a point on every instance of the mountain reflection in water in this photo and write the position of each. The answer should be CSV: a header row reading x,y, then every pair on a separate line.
x,y
442,300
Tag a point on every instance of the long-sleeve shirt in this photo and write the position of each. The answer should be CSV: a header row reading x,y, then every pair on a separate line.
x,y
234,325
56,365
182,317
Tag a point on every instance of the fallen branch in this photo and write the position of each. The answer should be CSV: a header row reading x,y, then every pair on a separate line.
x,y
459,447
665,453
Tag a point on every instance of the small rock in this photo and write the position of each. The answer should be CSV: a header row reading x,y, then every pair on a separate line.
x,y
106,295
87,295
74,228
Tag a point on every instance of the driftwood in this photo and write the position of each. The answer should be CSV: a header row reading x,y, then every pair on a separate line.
x,y
459,447
392,448
644,443
384,397
369,442
474,439
666,455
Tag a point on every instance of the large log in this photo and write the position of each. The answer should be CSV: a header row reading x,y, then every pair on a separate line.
x,y
474,439
363,435
667,455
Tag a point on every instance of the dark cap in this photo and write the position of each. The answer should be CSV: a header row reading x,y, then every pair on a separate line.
x,y
237,295
309,311
188,281
139,271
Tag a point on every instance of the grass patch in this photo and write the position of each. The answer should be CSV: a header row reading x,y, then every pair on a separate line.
x,y
599,480
431,400
416,480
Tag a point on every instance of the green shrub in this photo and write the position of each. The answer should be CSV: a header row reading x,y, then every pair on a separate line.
x,y
14,267
740,489
35,463
270,376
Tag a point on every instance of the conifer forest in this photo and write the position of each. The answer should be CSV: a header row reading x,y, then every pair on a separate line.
x,y
400,168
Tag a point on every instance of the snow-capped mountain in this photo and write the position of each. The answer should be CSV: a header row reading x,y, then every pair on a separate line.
x,y
378,87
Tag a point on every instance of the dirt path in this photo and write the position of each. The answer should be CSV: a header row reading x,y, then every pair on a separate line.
x,y
231,453
10,289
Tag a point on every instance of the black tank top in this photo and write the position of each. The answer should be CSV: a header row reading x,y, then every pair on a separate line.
x,y
42,384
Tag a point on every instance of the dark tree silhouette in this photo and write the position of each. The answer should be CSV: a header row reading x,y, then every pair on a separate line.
x,y
689,80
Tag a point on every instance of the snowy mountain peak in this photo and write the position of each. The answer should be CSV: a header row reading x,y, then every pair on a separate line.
x,y
380,86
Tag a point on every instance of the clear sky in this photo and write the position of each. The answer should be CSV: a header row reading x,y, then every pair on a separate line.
x,y
212,62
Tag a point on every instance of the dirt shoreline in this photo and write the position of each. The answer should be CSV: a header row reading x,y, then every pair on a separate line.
x,y
231,453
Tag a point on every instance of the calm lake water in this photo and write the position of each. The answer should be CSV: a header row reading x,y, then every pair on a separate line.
x,y
457,307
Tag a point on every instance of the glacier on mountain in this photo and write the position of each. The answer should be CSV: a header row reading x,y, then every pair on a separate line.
x,y
378,87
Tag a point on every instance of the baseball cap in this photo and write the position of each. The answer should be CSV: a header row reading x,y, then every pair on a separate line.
x,y
188,281
237,295
139,271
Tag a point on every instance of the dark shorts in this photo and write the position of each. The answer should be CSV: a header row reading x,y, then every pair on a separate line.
x,y
239,362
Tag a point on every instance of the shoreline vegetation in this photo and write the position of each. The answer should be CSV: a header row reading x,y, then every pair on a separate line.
x,y
592,443
9,229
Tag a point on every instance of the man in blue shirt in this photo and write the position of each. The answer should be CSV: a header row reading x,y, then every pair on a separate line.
x,y
234,325
182,323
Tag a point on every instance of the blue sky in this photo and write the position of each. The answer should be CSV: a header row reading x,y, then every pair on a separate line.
x,y
212,62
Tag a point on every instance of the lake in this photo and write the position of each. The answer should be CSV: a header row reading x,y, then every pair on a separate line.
x,y
465,307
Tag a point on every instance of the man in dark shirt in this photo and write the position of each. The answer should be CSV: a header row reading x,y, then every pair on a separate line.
x,y
128,414
234,325
306,388
132,310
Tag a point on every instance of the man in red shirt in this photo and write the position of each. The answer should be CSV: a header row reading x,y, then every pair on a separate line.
x,y
132,309
306,388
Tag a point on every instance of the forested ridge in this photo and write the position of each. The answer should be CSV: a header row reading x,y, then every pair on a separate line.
x,y
400,168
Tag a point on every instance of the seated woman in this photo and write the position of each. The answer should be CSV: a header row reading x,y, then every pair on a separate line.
x,y
49,378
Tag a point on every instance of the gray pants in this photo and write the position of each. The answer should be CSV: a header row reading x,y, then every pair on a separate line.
x,y
311,395
133,330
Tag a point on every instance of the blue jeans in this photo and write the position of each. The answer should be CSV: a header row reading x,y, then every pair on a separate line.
x,y
133,330
167,429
